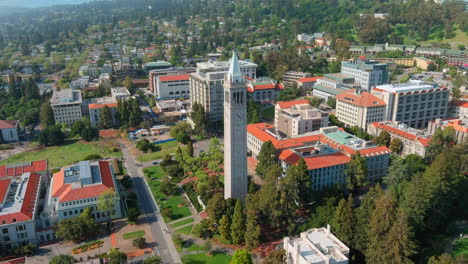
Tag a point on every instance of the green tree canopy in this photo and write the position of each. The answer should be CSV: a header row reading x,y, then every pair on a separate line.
x,y
267,157
241,257
62,259
238,224
356,172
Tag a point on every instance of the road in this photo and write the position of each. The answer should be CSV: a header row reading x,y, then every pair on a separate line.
x,y
150,211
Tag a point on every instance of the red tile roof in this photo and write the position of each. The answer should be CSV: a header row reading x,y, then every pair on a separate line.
x,y
289,104
15,261
99,106
251,88
8,123
401,133
66,193
365,99
310,79
4,184
36,166
26,212
252,163
168,78
187,180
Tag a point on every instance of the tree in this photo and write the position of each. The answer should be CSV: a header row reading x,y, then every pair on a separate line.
x,y
397,174
106,205
116,257
276,256
198,116
396,146
241,257
442,259
62,259
139,242
89,133
216,207
414,164
153,260
238,224
344,221
190,148
129,85
252,231
383,139
52,136
46,115
301,183
356,172
105,117
132,214
77,228
440,141
144,145
225,228
266,158
331,102
431,67
315,101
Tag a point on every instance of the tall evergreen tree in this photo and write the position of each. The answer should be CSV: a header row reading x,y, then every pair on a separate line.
x,y
190,148
441,139
252,231
267,158
47,115
105,117
383,139
344,221
238,224
129,85
356,172
198,116
225,228
396,146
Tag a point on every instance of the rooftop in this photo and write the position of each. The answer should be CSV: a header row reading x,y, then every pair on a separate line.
x,y
411,86
172,78
8,124
459,124
17,169
66,96
101,102
364,99
86,179
329,90
289,104
223,65
402,130
310,79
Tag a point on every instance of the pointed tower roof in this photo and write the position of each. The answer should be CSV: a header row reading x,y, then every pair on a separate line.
x,y
234,73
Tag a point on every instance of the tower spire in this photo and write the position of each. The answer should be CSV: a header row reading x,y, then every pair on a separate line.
x,y
234,73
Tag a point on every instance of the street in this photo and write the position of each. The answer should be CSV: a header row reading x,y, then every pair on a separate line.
x,y
150,212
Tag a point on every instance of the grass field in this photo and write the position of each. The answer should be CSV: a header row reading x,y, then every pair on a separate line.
x,y
205,259
72,151
460,247
268,113
162,150
185,230
155,172
181,223
133,235
460,38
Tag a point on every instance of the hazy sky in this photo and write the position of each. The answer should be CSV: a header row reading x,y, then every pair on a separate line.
x,y
39,3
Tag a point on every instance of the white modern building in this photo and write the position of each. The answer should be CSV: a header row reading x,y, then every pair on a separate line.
x,y
359,108
315,246
414,103
9,130
154,74
235,133
300,118
120,93
367,73
66,105
172,86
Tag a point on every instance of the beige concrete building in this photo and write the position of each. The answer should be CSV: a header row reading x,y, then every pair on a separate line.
x,y
66,105
415,141
299,118
359,108
460,125
414,103
290,77
315,246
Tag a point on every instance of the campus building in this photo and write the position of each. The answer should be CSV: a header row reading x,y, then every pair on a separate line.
x,y
96,107
120,93
290,77
365,72
207,85
460,125
414,103
172,86
315,246
414,141
9,130
66,105
264,89
298,117
332,85
326,153
359,108
154,74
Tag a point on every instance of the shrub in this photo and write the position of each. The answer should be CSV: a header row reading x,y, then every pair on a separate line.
x,y
92,157
139,242
88,246
132,215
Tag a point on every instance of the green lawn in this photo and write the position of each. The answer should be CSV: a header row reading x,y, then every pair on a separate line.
x,y
72,151
459,37
183,222
460,247
185,230
205,259
162,150
177,211
269,113
133,235
155,172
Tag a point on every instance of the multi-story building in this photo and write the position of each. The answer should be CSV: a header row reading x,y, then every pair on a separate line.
x,y
460,125
265,48
290,77
96,107
458,109
300,118
264,89
367,73
326,153
307,83
20,188
9,130
414,103
123,70
359,108
156,65
207,85
171,86
120,93
170,71
414,141
77,187
66,105
333,84
315,246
